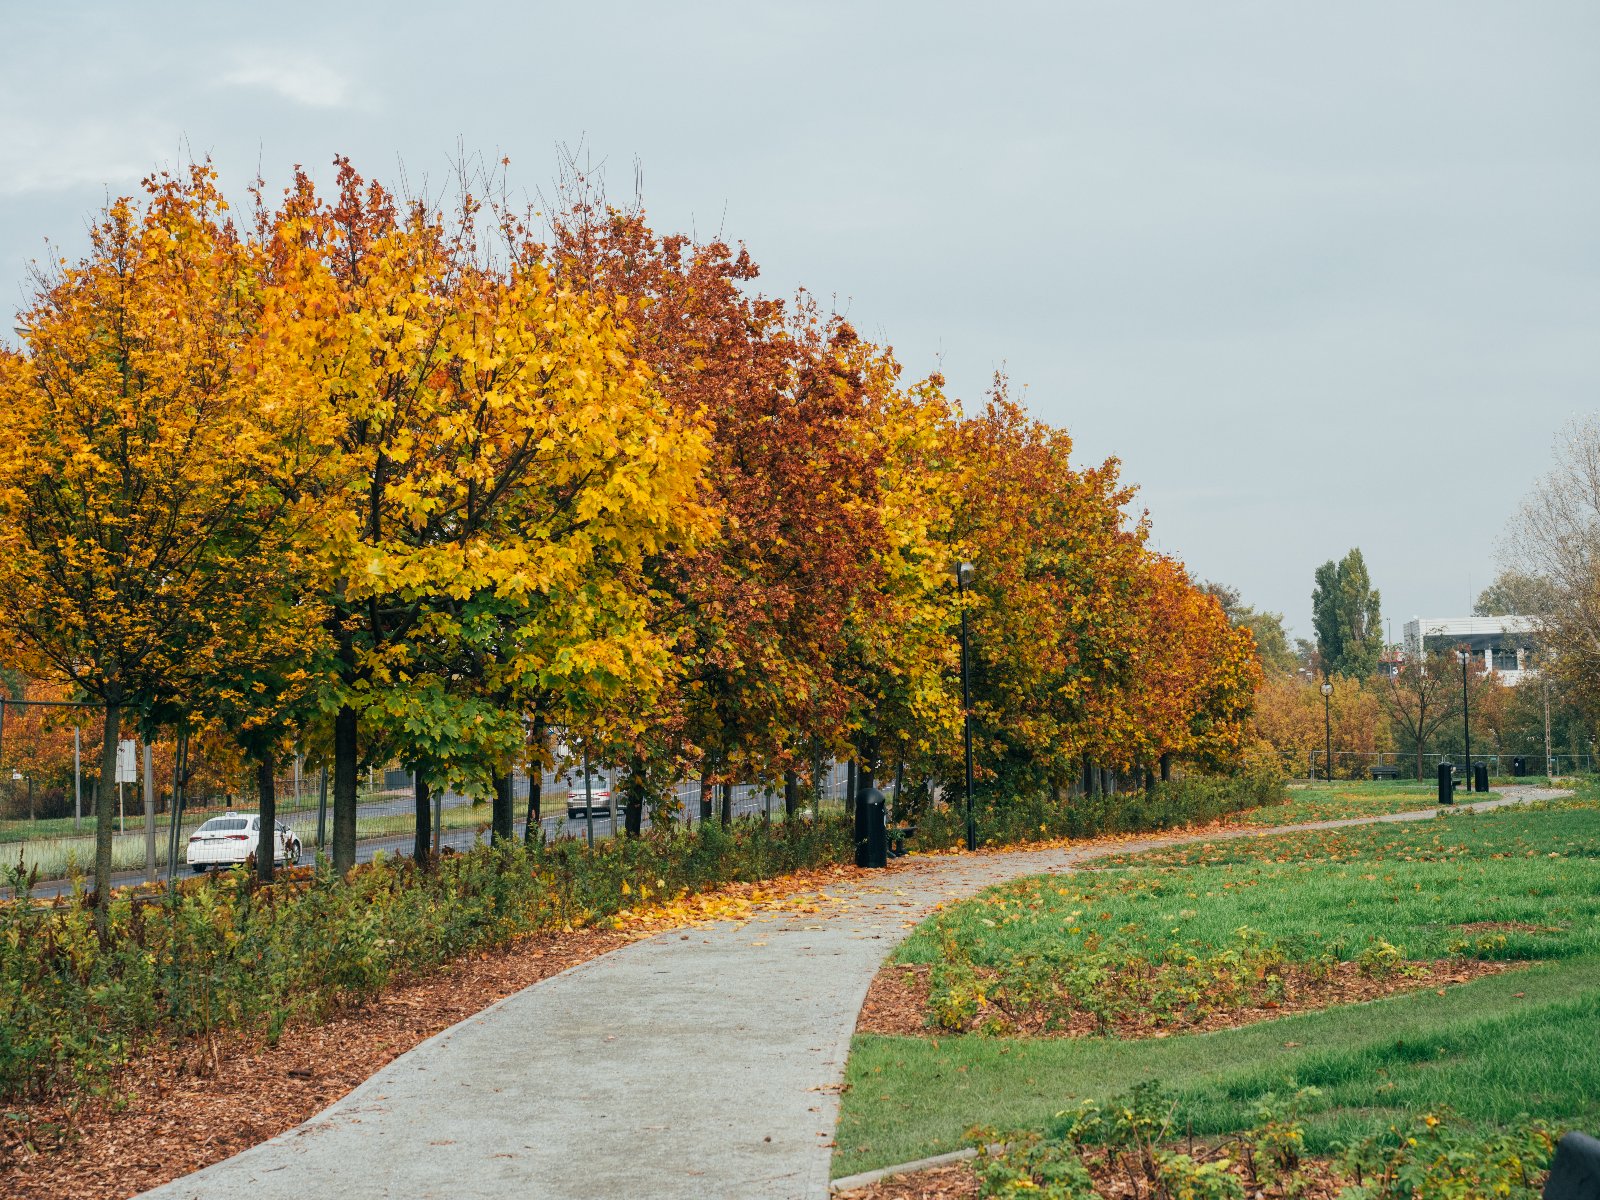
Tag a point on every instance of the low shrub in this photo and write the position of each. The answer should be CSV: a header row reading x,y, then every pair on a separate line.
x,y
1039,818
1124,1147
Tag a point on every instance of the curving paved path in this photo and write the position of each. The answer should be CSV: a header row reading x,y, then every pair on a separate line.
x,y
691,1066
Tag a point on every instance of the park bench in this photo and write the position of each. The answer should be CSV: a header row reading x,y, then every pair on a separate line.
x,y
1386,772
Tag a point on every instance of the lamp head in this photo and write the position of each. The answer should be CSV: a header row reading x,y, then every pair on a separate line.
x,y
1327,689
964,572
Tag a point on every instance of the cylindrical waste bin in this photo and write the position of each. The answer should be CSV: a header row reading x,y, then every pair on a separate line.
x,y
1519,766
872,829
1480,777
1447,783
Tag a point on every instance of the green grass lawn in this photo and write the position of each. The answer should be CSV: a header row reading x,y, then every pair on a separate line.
x,y
1520,1042
1343,799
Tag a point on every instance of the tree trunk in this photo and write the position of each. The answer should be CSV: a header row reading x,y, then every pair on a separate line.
x,y
705,795
530,829
422,838
816,784
267,806
345,765
1088,776
105,812
502,818
791,794
727,804
1149,781
1166,767
851,784
633,810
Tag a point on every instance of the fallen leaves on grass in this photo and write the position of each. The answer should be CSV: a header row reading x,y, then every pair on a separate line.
x,y
898,1002
1315,1181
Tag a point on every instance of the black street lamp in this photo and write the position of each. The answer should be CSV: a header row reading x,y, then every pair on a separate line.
x,y
1327,727
1466,716
964,577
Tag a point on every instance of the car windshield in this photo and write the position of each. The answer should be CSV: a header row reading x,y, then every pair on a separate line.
x,y
223,824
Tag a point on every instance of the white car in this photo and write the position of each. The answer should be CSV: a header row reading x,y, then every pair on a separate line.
x,y
228,840
599,802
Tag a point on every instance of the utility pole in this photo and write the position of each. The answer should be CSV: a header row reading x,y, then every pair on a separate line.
x,y
77,780
1466,717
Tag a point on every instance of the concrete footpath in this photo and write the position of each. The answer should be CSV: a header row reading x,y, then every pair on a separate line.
x,y
696,1065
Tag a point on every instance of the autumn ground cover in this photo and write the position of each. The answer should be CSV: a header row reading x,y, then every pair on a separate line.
x,y
1344,799
1513,888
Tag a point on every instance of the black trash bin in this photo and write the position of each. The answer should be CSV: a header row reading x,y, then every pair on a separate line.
x,y
872,829
1575,1173
1519,766
1480,777
1447,783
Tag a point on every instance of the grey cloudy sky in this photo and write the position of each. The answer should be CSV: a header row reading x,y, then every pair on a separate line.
x,y
1321,274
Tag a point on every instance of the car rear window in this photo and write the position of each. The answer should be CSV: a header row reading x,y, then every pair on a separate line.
x,y
223,824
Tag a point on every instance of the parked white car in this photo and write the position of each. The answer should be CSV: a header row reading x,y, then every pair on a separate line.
x,y
228,840
599,802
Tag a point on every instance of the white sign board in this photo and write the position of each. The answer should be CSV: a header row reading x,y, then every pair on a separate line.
x,y
127,761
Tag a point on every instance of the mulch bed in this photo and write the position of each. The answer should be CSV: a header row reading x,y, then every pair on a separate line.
x,y
182,1107
897,1002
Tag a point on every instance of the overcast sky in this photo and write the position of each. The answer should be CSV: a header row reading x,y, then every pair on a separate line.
x,y
1321,275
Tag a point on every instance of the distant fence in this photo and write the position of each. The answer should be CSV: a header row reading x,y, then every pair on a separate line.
x,y
1358,764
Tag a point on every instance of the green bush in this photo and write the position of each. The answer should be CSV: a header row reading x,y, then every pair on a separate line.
x,y
1039,818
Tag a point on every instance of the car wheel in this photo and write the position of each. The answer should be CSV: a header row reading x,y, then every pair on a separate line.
x,y
294,853
198,868
572,814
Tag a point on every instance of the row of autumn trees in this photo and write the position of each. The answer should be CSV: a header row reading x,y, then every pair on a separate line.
x,y
390,483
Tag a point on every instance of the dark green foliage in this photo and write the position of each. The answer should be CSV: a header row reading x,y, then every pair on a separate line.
x,y
1345,612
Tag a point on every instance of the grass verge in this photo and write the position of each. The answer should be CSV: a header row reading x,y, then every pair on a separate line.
x,y
1491,1049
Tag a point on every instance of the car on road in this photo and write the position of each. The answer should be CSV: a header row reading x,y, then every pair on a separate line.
x,y
230,839
599,802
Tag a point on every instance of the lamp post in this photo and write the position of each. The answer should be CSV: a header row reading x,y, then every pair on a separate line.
x,y
1327,727
1466,716
964,577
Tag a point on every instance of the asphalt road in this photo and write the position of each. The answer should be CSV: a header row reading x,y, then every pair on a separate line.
x,y
747,801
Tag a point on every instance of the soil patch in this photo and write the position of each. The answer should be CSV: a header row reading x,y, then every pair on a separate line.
x,y
897,1002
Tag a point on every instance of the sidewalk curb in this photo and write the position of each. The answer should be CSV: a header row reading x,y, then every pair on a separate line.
x,y
867,1178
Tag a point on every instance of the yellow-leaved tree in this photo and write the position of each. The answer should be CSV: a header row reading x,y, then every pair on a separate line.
x,y
505,467
148,487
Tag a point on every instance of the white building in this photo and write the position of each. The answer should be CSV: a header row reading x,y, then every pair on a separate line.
x,y
1503,644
